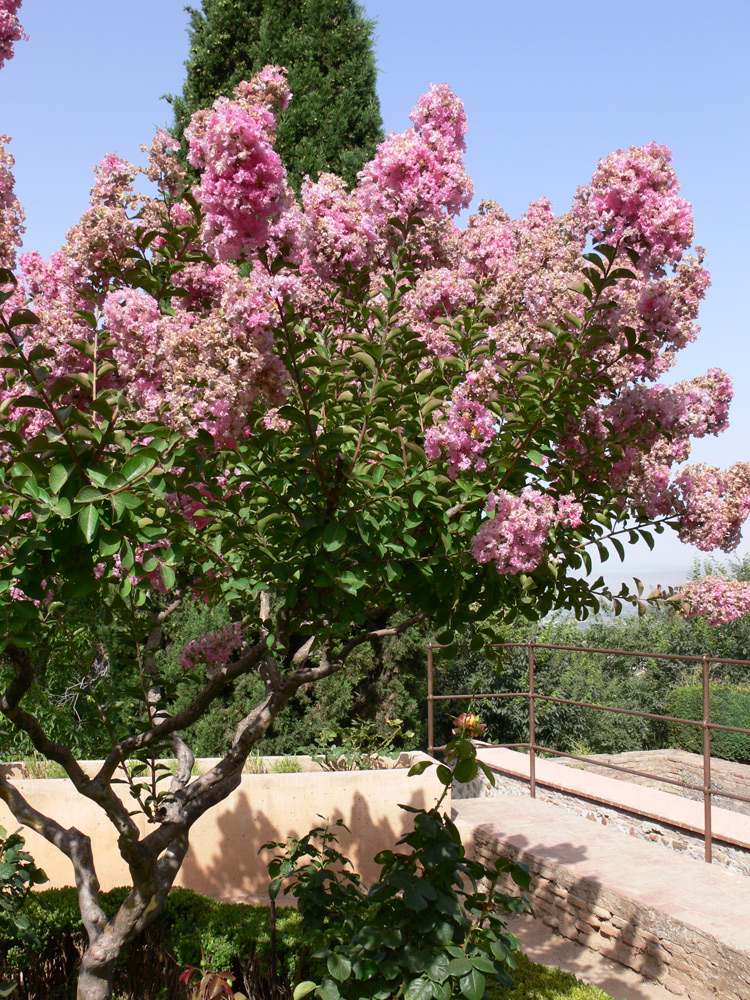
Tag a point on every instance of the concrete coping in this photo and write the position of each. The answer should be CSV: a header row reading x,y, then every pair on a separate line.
x,y
726,826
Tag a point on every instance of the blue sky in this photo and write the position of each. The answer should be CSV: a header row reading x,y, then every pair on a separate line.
x,y
549,87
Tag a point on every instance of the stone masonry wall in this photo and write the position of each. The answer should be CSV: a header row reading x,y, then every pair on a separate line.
x,y
672,763
735,858
689,964
687,768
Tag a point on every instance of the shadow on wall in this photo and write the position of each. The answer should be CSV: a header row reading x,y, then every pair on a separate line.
x,y
225,862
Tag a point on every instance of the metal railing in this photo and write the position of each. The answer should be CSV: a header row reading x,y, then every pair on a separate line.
x,y
533,697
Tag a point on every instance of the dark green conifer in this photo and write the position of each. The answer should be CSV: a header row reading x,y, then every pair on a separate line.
x,y
333,122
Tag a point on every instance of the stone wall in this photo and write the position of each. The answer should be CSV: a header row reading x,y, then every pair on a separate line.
x,y
657,947
686,768
614,814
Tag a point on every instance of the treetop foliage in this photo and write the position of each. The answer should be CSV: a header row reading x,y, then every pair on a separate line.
x,y
333,124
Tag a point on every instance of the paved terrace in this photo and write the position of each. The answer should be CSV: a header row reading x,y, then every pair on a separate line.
x,y
669,917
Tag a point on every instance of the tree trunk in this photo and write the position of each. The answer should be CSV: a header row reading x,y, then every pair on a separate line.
x,y
95,977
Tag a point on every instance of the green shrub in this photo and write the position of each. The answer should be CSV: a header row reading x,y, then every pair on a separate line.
x,y
231,937
191,930
730,706
536,982
40,767
287,765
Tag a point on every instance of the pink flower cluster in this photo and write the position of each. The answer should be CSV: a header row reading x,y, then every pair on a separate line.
x,y
214,649
634,194
712,505
514,538
11,213
422,170
243,182
210,357
438,294
715,598
463,436
200,369
339,231
10,29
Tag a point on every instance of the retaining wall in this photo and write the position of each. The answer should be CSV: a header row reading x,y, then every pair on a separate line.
x,y
645,813
670,919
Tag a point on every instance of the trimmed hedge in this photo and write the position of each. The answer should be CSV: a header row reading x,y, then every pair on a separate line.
x,y
191,930
730,706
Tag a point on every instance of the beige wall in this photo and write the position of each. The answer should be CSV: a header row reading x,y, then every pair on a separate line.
x,y
223,859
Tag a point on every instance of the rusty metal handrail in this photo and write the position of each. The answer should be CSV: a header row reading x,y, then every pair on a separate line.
x,y
533,696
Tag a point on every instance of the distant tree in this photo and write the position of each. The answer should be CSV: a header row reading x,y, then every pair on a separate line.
x,y
333,123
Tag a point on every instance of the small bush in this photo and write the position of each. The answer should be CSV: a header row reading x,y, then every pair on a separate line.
x,y
730,706
287,765
254,764
40,767
536,982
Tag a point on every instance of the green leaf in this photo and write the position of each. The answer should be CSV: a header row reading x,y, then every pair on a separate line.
x,y
88,519
333,538
125,501
329,990
23,317
472,985
483,964
420,767
109,543
465,770
363,358
459,966
87,495
419,989
445,775
32,402
339,966
302,989
437,967
137,465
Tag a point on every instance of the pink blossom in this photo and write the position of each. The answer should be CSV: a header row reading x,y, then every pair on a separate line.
x,y
464,435
569,511
515,536
422,170
164,169
11,213
341,231
214,649
715,598
268,88
634,194
438,294
712,505
243,183
201,369
10,29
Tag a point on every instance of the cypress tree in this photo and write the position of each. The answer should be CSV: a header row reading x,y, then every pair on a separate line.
x,y
333,122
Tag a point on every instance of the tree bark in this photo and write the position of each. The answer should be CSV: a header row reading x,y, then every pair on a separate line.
x,y
94,979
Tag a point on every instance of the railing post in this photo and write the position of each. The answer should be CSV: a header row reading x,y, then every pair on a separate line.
x,y
430,702
532,725
707,762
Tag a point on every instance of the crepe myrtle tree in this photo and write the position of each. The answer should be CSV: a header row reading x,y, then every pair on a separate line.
x,y
320,411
